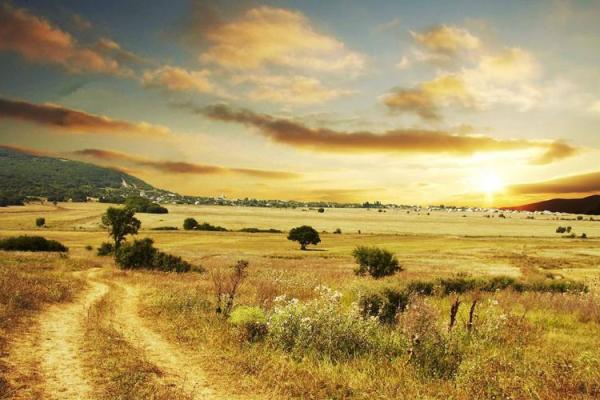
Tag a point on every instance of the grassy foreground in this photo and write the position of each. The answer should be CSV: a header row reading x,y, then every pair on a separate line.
x,y
535,337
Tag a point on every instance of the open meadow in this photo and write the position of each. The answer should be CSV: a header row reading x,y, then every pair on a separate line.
x,y
526,321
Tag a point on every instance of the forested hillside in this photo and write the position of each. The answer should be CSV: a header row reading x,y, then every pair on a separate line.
x,y
23,174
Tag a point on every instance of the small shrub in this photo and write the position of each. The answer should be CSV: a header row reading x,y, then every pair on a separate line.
x,y
165,228
384,304
143,254
258,230
226,286
251,321
375,261
106,249
321,210
458,285
338,231
39,222
424,288
139,254
561,229
324,329
89,248
211,228
143,205
498,283
169,263
190,224
31,243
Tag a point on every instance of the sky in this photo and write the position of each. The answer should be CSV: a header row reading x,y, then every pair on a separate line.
x,y
467,102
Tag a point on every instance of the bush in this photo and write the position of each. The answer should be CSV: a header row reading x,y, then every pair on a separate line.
x,y
258,230
212,228
31,243
106,249
338,231
561,229
169,263
321,210
304,235
165,228
324,329
189,224
143,205
89,247
424,288
384,304
251,321
39,222
375,261
458,285
139,254
143,254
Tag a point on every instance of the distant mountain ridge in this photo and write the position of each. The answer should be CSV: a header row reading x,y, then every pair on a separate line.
x,y
588,205
24,174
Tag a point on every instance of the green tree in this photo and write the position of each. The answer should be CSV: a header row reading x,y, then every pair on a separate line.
x,y
189,224
304,235
120,222
375,261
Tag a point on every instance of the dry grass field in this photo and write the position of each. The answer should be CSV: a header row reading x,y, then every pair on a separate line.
x,y
75,326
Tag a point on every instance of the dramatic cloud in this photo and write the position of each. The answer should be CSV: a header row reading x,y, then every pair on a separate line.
x,y
556,151
295,89
399,140
503,77
75,121
426,99
267,36
583,183
178,167
444,42
178,79
37,40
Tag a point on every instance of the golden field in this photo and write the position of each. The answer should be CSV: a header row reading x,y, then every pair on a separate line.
x,y
155,335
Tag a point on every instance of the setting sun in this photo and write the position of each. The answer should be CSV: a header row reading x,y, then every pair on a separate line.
x,y
490,183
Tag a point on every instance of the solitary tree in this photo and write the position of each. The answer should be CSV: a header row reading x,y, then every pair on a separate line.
x,y
39,222
189,224
375,261
304,235
120,222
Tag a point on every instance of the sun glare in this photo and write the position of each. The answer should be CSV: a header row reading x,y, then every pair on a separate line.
x,y
489,183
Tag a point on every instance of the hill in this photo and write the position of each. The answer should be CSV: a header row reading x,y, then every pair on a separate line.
x,y
588,205
23,174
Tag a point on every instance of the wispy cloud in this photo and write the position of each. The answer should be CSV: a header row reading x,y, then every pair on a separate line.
x,y
179,79
179,167
76,121
394,141
295,89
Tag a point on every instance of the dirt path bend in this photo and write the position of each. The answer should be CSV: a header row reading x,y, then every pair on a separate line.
x,y
179,368
61,332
